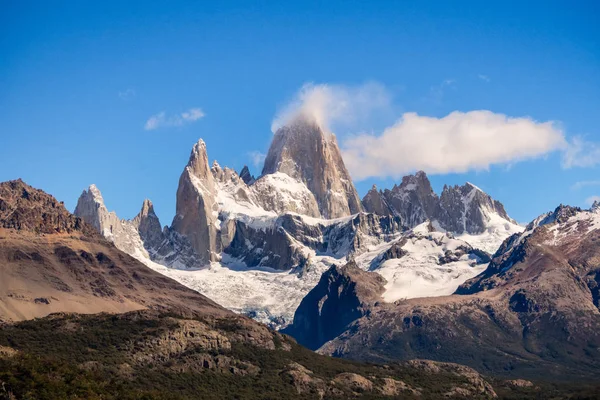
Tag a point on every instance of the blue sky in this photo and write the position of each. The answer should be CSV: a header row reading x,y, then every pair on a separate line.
x,y
79,81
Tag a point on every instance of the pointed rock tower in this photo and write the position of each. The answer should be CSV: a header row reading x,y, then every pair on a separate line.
x,y
196,209
414,199
375,202
306,153
90,207
148,226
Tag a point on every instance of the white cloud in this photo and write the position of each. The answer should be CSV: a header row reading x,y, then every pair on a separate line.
x,y
127,94
484,78
458,142
582,184
161,120
581,153
331,105
592,199
257,158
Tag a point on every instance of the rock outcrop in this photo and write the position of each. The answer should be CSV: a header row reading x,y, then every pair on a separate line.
x,y
25,208
468,209
375,202
414,199
343,295
459,209
196,215
140,237
246,176
303,151
148,226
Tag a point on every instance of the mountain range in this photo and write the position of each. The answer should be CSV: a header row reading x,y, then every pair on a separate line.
x,y
258,245
402,275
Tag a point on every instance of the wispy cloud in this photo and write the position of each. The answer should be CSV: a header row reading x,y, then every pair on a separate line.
x,y
334,105
582,184
581,153
458,142
127,94
257,158
162,120
437,92
484,78
592,199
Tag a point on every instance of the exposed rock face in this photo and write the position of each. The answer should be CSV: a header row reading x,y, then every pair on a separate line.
x,y
459,209
280,193
303,151
140,237
148,226
533,313
25,208
468,209
375,202
196,211
275,245
90,207
414,199
343,295
246,176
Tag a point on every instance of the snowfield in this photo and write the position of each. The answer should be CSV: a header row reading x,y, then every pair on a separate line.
x,y
271,296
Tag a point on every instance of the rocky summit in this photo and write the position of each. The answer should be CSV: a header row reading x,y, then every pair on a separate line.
x,y
303,151
459,209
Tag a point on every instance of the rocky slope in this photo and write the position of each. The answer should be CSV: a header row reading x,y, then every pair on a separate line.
x,y
532,313
152,355
51,260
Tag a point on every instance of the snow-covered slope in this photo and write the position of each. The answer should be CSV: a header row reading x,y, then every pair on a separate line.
x,y
424,262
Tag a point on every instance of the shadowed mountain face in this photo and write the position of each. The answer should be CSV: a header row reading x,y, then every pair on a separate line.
x,y
532,313
343,295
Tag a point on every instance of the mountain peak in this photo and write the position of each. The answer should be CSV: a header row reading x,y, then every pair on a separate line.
x,y
471,186
303,151
95,194
198,162
246,176
147,207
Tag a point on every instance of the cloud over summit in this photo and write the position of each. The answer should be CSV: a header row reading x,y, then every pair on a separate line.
x,y
458,142
333,105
